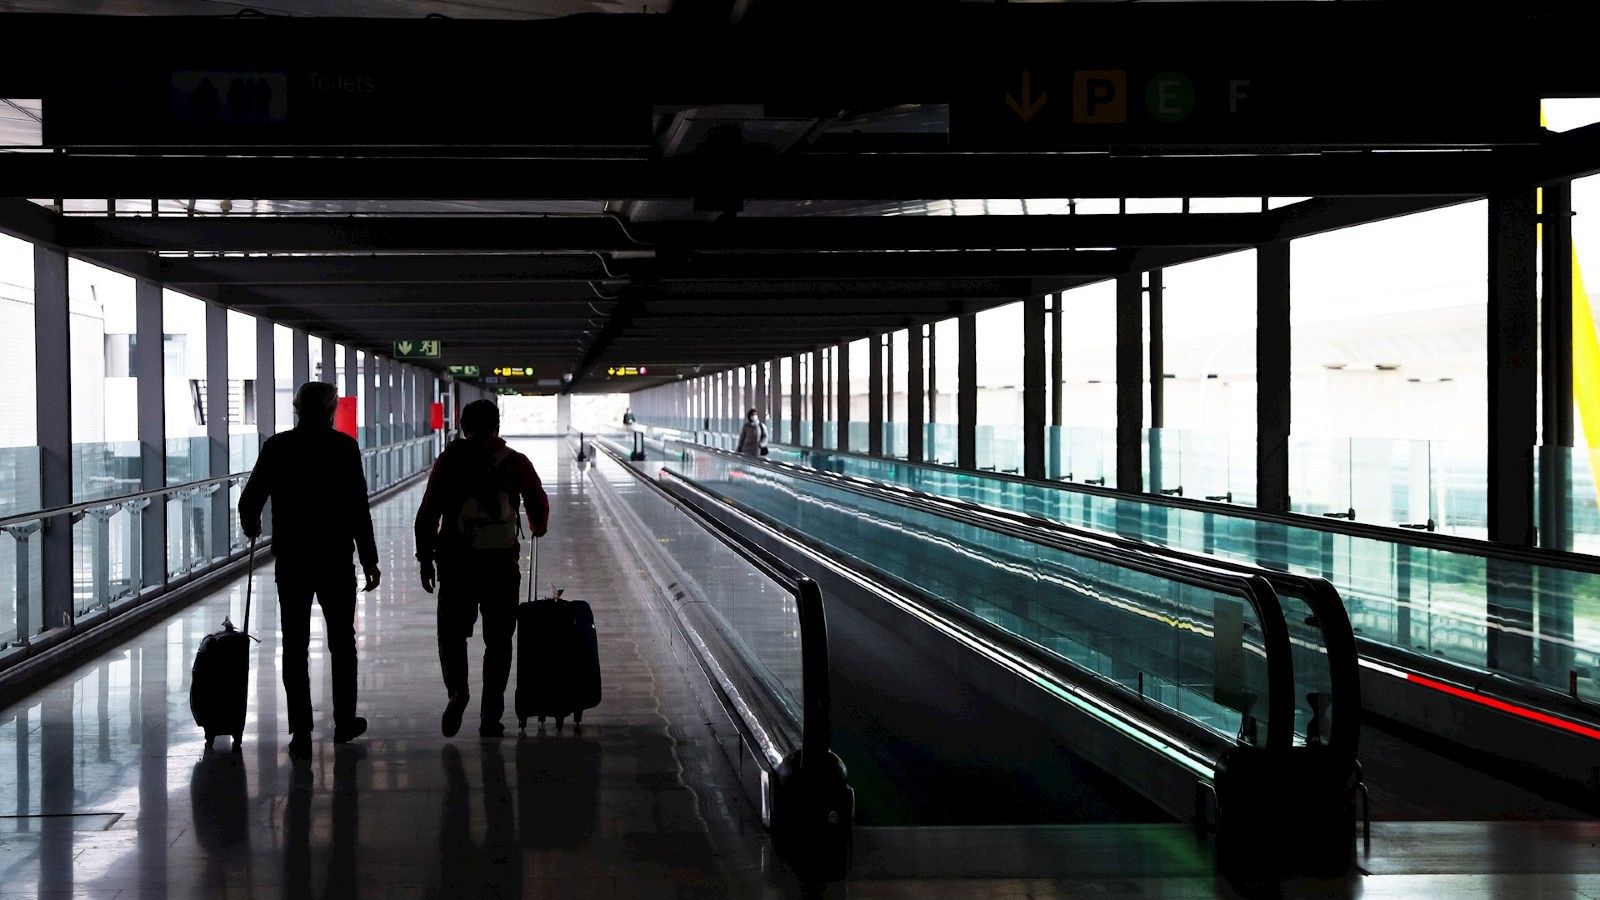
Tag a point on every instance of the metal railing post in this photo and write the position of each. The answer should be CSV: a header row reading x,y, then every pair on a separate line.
x,y
21,533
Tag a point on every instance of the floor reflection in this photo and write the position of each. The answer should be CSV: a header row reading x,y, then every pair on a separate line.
x,y
558,790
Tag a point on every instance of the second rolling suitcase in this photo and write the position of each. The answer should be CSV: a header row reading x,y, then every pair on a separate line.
x,y
219,686
558,658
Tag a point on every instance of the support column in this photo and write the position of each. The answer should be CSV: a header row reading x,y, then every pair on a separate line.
x,y
300,359
1555,478
796,398
1158,368
53,420
352,375
1058,381
916,393
369,411
563,413
149,365
330,363
266,382
841,387
761,392
818,401
875,394
1130,381
1272,376
1513,388
967,392
220,508
1033,388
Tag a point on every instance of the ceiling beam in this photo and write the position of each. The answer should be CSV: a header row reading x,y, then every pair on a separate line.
x,y
392,269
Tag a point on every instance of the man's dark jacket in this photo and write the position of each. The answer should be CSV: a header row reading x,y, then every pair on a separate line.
x,y
318,489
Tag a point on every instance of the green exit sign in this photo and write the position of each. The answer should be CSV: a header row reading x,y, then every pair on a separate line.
x,y
417,349
464,371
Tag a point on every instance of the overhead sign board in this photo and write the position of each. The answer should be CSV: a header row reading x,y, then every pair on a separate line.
x,y
417,349
512,371
627,370
464,371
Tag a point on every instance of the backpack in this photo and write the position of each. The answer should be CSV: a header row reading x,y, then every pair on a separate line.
x,y
487,519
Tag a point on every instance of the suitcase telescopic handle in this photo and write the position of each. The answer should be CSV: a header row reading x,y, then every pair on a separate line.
x,y
249,584
533,568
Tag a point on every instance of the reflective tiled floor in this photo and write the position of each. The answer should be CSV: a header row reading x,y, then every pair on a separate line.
x,y
105,790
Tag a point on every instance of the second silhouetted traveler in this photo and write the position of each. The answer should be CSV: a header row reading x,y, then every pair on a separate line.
x,y
468,526
313,476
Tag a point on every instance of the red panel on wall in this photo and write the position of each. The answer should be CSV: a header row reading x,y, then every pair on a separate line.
x,y
438,417
344,417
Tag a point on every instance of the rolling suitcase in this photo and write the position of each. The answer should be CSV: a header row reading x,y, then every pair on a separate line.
x,y
219,689
558,659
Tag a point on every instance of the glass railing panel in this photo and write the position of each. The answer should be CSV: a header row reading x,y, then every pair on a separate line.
x,y
1191,649
188,459
759,616
999,448
105,558
105,469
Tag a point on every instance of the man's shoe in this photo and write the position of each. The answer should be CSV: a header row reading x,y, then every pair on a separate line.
x,y
450,723
300,746
344,734
491,730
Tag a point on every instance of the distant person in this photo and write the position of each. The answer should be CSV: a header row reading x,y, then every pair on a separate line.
x,y
468,526
313,476
627,417
752,436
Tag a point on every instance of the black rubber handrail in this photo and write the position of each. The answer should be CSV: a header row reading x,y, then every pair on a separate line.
x,y
1427,540
816,726
1253,588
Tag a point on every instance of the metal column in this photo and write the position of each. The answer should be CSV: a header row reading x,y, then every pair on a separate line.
x,y
796,397
266,382
818,400
1130,381
1555,482
1513,398
149,366
841,387
563,413
53,419
875,393
330,363
352,375
916,393
1156,352
1272,376
369,410
1057,388
217,426
967,392
300,359
1033,387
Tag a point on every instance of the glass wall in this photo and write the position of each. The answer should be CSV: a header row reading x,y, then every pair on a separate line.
x,y
243,442
1388,383
19,451
859,391
283,374
106,460
1084,448
944,358
188,450
999,425
1206,449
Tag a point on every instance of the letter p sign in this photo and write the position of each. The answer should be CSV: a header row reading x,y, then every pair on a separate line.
x,y
1100,97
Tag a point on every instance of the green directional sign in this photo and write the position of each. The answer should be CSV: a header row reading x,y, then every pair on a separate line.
x,y
417,349
464,372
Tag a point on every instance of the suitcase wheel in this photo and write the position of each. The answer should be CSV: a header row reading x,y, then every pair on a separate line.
x,y
210,736
238,741
561,722
577,718
522,722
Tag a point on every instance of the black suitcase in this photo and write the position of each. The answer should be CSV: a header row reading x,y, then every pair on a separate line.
x,y
219,686
558,658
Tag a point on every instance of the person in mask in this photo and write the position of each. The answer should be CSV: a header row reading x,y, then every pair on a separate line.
x,y
753,436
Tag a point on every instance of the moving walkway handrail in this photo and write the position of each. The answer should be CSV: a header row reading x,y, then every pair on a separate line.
x,y
1427,540
1332,619
1253,588
816,727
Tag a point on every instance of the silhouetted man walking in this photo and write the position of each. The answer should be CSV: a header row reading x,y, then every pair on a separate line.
x,y
468,525
313,476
